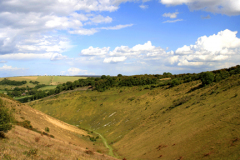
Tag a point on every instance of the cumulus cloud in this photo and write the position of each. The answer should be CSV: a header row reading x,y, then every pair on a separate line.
x,y
10,68
215,48
173,21
171,15
95,51
100,19
114,59
22,26
77,71
35,47
143,6
228,7
147,49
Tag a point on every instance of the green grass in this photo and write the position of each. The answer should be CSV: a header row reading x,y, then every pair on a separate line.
x,y
64,79
47,88
17,98
199,123
2,91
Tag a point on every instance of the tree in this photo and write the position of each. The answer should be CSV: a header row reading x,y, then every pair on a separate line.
x,y
167,74
119,75
207,78
103,77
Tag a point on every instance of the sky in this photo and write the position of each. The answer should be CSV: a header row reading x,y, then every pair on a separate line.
x,y
111,37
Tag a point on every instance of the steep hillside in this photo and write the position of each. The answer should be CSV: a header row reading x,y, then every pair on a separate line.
x,y
46,137
187,121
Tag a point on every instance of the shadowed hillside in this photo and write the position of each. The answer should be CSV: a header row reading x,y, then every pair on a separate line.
x,y
187,121
36,135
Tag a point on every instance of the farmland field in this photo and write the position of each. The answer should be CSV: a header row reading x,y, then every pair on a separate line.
x,y
47,80
47,87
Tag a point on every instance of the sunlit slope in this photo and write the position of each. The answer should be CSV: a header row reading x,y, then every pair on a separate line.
x,y
184,122
65,143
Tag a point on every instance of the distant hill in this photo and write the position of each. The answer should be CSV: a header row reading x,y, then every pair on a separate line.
x,y
184,121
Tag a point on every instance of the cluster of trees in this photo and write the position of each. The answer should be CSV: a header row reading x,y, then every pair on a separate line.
x,y
13,83
61,87
218,75
34,82
18,91
106,82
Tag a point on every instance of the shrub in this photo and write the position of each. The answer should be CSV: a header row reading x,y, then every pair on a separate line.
x,y
89,152
207,78
2,135
47,129
37,139
6,118
31,152
25,124
175,82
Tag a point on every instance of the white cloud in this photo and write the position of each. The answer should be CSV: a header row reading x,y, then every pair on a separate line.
x,y
62,72
224,42
171,15
22,26
228,7
117,27
77,71
95,51
3,61
143,6
114,59
32,56
10,68
215,48
84,31
146,49
173,21
101,19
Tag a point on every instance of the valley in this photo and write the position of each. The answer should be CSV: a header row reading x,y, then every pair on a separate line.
x,y
189,116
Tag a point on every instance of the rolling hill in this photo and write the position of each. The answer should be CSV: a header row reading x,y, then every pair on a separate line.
x,y
187,121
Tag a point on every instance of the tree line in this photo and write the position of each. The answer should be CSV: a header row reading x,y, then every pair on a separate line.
x,y
6,81
106,82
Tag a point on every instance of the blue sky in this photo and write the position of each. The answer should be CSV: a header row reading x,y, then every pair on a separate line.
x,y
96,37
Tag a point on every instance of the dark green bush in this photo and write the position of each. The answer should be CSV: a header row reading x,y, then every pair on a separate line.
x,y
25,124
47,129
207,78
6,118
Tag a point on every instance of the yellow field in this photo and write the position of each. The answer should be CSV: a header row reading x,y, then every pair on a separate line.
x,y
47,80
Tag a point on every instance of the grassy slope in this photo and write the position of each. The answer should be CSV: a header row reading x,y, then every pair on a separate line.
x,y
139,124
69,142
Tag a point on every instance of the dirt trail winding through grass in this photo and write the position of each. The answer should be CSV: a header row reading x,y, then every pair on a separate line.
x,y
65,126
106,144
